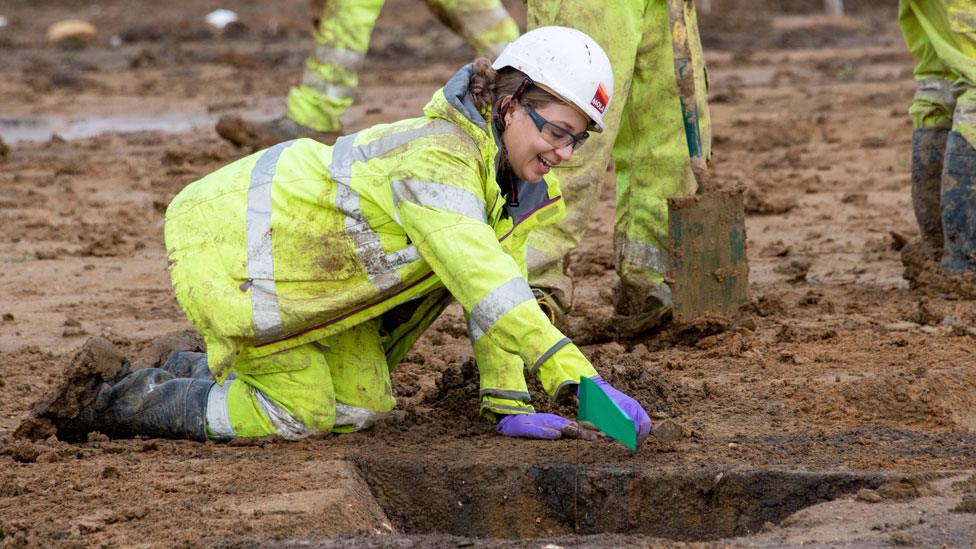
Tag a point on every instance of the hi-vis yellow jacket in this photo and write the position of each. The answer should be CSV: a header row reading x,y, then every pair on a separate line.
x,y
302,240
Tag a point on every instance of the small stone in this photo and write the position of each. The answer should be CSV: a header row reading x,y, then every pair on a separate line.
x,y
967,504
669,431
73,32
21,451
904,540
868,495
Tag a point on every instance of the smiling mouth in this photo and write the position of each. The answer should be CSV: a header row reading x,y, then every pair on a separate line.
x,y
545,162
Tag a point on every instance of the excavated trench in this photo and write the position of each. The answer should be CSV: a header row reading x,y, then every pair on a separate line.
x,y
539,500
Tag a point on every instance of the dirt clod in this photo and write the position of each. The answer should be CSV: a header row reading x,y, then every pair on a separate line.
x,y
967,504
98,361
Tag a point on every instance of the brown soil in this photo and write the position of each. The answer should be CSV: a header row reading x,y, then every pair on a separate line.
x,y
840,390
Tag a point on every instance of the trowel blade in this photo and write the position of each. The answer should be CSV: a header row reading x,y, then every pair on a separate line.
x,y
600,410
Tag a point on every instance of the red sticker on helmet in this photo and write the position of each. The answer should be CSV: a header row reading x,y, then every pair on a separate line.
x,y
600,99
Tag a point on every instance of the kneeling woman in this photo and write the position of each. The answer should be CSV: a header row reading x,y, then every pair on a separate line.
x,y
310,270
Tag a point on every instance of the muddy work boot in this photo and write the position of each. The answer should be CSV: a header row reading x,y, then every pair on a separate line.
x,y
928,150
255,136
639,310
959,206
102,393
187,364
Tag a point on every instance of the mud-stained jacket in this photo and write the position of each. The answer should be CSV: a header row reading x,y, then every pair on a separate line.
x,y
303,240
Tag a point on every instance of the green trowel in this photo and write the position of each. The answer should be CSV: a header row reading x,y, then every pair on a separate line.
x,y
597,408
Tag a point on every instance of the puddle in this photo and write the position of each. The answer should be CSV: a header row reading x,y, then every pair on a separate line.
x,y
125,118
544,500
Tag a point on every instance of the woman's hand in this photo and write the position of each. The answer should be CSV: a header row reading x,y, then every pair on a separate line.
x,y
544,426
642,422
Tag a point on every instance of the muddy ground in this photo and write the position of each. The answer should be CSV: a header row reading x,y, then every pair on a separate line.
x,y
838,410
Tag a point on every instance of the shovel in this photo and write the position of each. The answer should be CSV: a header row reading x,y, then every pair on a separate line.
x,y
708,271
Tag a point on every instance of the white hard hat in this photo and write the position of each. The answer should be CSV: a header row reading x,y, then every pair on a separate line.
x,y
566,62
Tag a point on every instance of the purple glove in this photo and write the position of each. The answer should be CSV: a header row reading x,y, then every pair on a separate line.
x,y
544,426
642,422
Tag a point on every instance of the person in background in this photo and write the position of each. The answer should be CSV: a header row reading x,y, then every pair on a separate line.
x,y
341,32
941,35
645,133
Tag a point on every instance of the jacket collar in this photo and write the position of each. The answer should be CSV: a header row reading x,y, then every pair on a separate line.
x,y
454,104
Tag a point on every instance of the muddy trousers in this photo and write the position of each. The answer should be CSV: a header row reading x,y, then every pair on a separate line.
x,y
959,205
342,33
941,35
338,384
646,136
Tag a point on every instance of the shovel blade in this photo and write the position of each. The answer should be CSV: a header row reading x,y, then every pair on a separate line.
x,y
707,270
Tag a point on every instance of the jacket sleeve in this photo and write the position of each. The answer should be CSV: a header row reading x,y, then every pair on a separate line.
x,y
441,207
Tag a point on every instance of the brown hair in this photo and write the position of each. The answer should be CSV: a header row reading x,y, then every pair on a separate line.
x,y
488,86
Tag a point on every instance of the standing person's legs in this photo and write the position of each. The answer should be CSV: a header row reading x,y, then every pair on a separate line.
x,y
484,24
617,27
341,35
942,37
931,114
959,188
652,163
316,104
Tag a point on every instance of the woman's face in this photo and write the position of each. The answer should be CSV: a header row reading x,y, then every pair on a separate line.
x,y
530,154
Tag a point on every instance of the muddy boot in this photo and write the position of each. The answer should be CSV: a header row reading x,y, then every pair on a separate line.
x,y
261,135
102,393
148,402
959,206
639,310
928,150
187,364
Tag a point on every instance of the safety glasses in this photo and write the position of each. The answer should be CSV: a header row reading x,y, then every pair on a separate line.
x,y
555,135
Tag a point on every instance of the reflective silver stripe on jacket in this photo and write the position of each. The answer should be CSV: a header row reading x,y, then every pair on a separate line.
x,y
500,301
964,115
477,22
218,418
284,423
260,255
315,81
360,418
936,90
439,195
522,396
380,266
552,350
330,55
502,408
346,153
641,254
474,332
